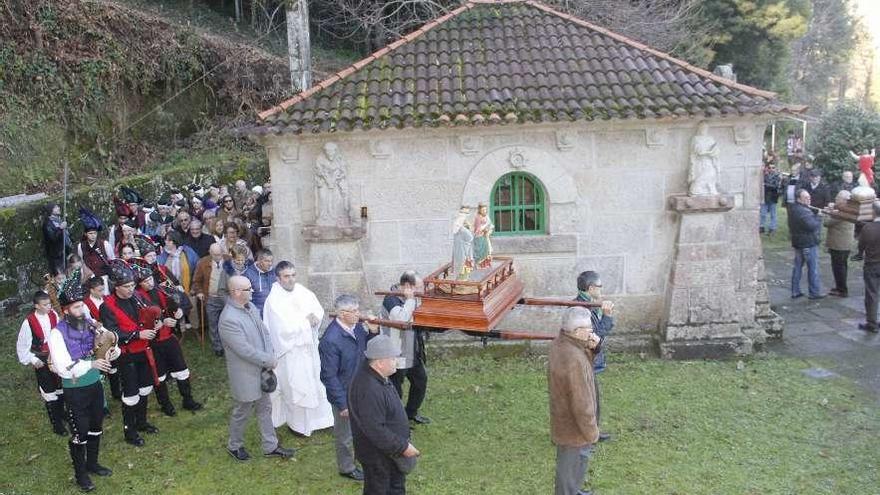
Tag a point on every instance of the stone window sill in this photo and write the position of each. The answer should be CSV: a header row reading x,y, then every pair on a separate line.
x,y
534,244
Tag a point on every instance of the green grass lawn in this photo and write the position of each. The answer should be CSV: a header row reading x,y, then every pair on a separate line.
x,y
679,427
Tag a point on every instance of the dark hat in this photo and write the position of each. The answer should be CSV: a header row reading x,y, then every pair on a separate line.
x,y
164,200
120,272
141,273
131,196
72,289
145,244
90,221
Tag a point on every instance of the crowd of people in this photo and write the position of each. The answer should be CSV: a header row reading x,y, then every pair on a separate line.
x,y
810,204
197,260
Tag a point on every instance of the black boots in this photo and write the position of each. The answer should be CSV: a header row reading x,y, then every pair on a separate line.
x,y
55,409
142,424
164,400
186,392
78,456
92,449
130,423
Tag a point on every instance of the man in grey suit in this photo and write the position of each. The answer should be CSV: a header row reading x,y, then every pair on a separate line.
x,y
248,351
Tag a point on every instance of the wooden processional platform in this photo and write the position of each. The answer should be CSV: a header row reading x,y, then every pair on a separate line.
x,y
472,305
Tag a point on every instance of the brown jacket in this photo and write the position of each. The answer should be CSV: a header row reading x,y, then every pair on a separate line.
x,y
572,393
202,276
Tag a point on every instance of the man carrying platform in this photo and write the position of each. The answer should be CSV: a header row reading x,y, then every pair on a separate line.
x,y
411,362
590,290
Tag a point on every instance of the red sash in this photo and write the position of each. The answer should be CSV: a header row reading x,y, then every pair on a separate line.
x,y
95,312
38,334
165,332
127,324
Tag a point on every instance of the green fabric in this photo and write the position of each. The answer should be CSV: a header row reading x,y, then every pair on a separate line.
x,y
92,376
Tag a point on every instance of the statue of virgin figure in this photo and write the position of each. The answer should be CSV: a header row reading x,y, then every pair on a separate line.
x,y
462,246
483,228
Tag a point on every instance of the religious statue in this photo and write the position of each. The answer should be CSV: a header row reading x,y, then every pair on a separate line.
x,y
483,228
462,245
704,172
333,208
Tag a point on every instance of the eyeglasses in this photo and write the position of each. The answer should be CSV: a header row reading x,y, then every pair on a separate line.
x,y
249,289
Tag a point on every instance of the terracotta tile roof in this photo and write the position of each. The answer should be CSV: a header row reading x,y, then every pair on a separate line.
x,y
511,61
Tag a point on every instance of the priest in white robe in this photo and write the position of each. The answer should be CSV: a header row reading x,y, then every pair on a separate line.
x,y
293,315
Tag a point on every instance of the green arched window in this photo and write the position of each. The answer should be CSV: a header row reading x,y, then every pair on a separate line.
x,y
518,205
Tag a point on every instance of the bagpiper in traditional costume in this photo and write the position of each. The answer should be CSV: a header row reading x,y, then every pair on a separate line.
x,y
72,347
136,325
94,299
166,347
32,348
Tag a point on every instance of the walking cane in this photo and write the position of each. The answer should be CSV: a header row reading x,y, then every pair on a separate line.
x,y
201,304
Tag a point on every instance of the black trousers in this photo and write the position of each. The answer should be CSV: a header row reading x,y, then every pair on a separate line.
x,y
85,406
47,381
134,374
839,261
169,356
418,385
381,477
872,285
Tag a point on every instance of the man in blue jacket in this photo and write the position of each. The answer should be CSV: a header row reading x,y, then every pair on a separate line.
x,y
590,290
805,227
342,350
262,276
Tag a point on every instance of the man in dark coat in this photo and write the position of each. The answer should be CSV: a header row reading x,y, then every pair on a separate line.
x,y
772,186
55,238
380,427
805,227
869,242
820,192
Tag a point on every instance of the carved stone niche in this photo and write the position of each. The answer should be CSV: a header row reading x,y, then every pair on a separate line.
x,y
655,137
742,134
380,149
289,153
565,139
470,145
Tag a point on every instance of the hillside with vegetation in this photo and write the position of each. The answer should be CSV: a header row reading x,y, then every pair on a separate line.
x,y
116,88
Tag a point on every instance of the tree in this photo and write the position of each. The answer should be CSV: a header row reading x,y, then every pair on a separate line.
x,y
372,24
299,51
756,36
821,57
844,129
677,27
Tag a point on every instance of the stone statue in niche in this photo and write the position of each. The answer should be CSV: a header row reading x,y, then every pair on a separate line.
x,y
462,245
483,229
331,184
704,171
